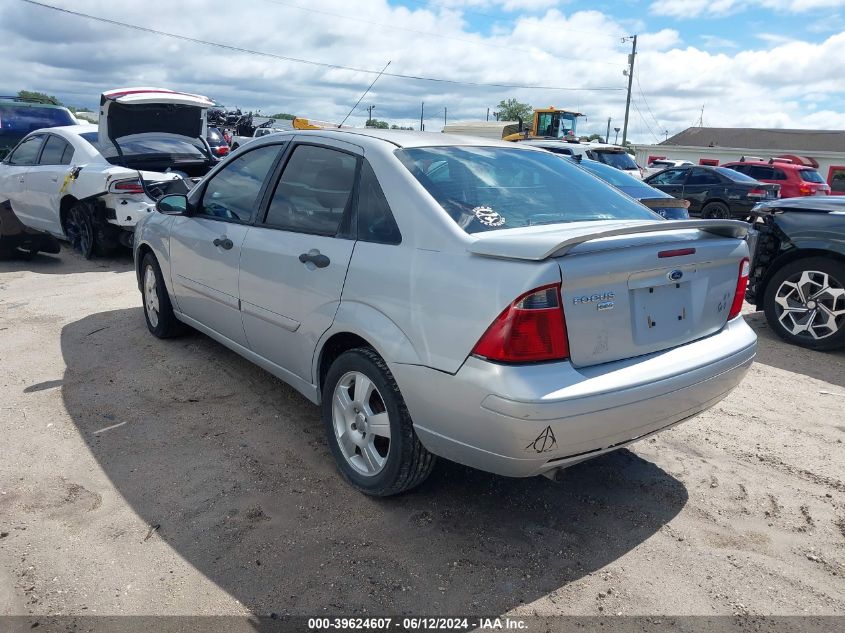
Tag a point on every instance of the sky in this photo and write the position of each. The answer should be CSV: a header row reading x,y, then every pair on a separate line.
x,y
747,63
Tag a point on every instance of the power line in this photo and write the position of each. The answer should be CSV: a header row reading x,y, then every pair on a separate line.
x,y
642,94
297,60
394,27
646,123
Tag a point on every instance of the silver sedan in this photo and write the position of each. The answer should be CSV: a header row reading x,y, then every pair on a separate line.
x,y
480,301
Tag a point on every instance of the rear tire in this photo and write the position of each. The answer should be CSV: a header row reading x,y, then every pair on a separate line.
x,y
716,211
368,427
79,229
158,311
801,302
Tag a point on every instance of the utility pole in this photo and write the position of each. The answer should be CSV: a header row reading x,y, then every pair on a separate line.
x,y
488,114
616,142
444,116
631,58
370,116
607,136
422,113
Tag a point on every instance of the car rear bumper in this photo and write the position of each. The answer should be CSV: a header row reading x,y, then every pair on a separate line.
x,y
526,420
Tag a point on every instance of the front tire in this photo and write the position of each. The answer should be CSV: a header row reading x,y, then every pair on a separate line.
x,y
158,311
369,429
804,303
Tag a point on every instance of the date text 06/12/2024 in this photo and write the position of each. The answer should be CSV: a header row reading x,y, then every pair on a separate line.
x,y
373,624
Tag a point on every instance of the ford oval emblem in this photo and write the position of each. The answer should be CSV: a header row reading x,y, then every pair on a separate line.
x,y
676,275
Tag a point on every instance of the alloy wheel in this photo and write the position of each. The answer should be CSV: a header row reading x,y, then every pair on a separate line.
x,y
361,423
79,232
811,304
151,296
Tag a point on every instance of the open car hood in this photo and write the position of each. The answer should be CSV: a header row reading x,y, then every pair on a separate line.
x,y
129,111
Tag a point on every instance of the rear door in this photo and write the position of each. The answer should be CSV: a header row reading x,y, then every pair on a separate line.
x,y
205,248
701,185
13,178
44,181
293,262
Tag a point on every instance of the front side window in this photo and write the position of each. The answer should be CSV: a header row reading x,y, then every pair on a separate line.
x,y
669,177
27,152
56,152
314,191
491,188
232,194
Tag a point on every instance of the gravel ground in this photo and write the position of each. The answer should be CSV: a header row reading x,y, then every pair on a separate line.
x,y
140,476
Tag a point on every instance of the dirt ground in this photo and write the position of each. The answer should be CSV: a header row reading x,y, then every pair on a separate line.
x,y
140,476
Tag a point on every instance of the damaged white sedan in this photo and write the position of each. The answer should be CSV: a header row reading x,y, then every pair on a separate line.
x,y
90,184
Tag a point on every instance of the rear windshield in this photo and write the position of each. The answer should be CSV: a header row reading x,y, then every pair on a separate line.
x,y
155,146
632,186
811,175
620,160
734,174
489,188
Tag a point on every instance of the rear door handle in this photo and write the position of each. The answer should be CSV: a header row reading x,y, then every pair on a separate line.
x,y
315,257
223,242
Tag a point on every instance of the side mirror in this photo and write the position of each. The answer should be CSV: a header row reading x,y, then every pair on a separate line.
x,y
173,204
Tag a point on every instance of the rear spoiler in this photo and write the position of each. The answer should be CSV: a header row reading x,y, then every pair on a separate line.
x,y
541,245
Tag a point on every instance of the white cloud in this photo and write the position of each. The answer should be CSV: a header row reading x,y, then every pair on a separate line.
x,y
685,9
76,59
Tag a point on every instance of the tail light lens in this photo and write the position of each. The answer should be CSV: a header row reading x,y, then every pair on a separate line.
x,y
756,192
131,185
741,285
222,150
531,329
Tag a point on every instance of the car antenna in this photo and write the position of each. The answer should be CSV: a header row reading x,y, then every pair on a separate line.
x,y
364,95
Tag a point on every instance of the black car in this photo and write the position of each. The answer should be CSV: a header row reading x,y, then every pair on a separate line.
x,y
798,269
713,192
216,141
21,115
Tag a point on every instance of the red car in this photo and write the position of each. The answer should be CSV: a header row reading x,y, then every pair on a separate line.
x,y
794,180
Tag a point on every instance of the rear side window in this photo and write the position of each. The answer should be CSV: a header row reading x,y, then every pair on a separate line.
x,y
27,152
232,194
778,174
375,220
760,173
489,188
703,177
56,152
314,191
811,175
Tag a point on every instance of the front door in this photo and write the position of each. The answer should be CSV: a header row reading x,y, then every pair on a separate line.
x,y
14,186
702,184
294,260
671,181
205,248
44,182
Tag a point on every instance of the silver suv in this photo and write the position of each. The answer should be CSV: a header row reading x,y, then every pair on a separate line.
x,y
480,301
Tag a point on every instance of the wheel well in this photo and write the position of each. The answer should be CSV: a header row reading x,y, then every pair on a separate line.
x,y
143,249
788,258
334,347
65,206
715,200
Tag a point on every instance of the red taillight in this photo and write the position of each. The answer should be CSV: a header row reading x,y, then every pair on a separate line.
x,y
756,192
531,329
133,185
222,150
741,285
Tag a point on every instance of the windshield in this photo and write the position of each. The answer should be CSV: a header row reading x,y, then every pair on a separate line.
x,y
16,121
734,175
811,175
620,160
489,188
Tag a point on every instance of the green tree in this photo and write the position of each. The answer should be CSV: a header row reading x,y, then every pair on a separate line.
x,y
41,96
284,116
382,125
512,110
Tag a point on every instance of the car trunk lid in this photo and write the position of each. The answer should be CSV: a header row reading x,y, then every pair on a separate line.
x,y
634,288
